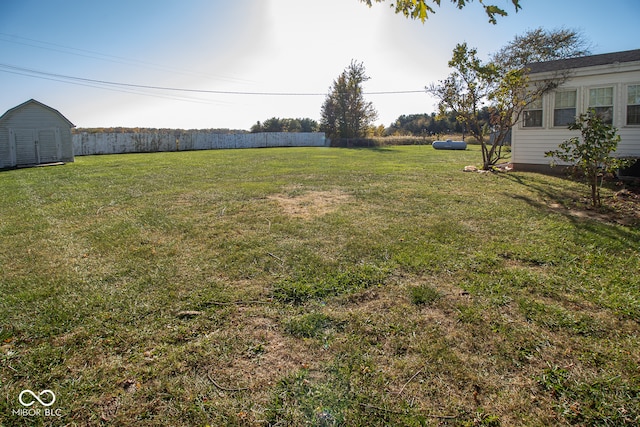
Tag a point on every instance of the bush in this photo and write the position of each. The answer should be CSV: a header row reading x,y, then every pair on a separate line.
x,y
591,154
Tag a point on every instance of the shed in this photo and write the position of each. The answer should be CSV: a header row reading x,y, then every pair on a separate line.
x,y
33,133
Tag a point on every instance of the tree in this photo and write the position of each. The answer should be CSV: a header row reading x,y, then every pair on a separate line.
x,y
276,124
465,91
503,85
273,124
345,113
257,128
420,9
540,45
308,125
413,124
473,86
591,153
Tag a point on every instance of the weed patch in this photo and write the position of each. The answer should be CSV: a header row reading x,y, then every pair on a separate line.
x,y
599,401
423,294
314,287
555,318
312,325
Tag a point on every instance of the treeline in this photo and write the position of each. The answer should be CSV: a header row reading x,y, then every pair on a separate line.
x,y
161,131
276,124
406,125
430,124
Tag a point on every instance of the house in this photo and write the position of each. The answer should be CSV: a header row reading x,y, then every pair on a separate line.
x,y
608,83
33,133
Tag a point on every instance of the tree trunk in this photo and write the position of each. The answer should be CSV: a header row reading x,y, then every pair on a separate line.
x,y
595,194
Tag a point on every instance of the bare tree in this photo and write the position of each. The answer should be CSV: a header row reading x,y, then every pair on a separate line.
x,y
539,45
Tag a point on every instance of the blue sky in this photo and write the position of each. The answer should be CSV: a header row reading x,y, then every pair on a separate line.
x,y
286,46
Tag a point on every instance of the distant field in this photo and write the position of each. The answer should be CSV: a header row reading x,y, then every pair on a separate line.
x,y
312,286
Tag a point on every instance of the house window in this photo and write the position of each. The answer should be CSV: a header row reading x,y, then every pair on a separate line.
x,y
564,111
532,115
601,100
633,105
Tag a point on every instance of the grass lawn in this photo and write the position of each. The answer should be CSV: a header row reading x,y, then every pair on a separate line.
x,y
313,286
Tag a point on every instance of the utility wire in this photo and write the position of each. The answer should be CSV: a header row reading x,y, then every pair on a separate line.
x,y
37,73
91,54
122,90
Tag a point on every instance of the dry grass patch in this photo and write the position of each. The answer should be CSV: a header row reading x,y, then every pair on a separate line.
x,y
311,204
270,354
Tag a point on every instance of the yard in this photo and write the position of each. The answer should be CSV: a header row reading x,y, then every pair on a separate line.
x,y
314,286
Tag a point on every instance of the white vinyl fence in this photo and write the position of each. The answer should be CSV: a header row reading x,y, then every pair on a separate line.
x,y
85,144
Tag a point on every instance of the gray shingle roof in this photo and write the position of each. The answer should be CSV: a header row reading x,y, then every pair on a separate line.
x,y
584,61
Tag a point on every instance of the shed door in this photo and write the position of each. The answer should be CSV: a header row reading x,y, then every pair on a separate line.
x,y
26,146
48,145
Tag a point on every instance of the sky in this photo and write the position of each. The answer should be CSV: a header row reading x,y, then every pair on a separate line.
x,y
199,64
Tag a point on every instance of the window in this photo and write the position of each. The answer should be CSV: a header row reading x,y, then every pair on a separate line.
x,y
532,115
633,105
601,100
564,111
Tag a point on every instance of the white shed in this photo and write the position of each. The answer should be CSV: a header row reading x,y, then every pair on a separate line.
x,y
33,133
608,83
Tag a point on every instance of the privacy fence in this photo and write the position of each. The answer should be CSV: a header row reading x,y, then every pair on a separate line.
x,y
85,143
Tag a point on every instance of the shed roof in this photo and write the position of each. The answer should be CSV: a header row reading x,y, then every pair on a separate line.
x,y
33,101
584,61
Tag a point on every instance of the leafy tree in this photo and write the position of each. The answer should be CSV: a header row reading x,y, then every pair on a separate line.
x,y
591,153
308,125
420,9
465,91
345,113
430,124
502,85
413,124
273,125
276,124
377,131
474,86
257,128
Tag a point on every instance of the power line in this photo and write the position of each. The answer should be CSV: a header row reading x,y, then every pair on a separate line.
x,y
122,90
37,73
55,47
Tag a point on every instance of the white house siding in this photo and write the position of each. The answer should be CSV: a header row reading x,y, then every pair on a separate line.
x,y
34,133
530,144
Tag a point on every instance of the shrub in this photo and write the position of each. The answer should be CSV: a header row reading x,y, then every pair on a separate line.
x,y
591,154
